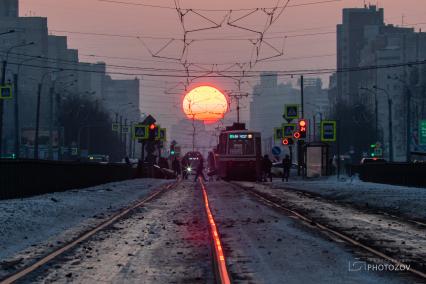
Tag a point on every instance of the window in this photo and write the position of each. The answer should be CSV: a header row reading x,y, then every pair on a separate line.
x,y
241,147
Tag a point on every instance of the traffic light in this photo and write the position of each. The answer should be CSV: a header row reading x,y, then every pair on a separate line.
x,y
172,150
303,126
288,141
297,135
153,131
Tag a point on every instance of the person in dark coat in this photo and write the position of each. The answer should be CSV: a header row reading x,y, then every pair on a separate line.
x,y
267,166
176,167
286,167
200,169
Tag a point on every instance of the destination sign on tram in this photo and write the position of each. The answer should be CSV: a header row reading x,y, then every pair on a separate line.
x,y
241,136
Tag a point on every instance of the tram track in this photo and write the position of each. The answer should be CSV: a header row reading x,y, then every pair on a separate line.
x,y
266,200
37,264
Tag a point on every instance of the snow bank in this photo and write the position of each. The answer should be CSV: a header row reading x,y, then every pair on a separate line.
x,y
42,219
408,201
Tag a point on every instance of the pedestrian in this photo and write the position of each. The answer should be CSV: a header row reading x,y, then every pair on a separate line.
x,y
286,167
267,166
176,167
200,169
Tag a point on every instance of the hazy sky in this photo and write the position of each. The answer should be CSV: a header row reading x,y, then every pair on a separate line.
x,y
301,52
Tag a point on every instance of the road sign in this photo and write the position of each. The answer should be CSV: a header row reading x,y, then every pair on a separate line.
x,y
162,134
289,129
276,151
328,131
125,129
140,132
278,133
116,127
291,112
6,92
378,152
422,132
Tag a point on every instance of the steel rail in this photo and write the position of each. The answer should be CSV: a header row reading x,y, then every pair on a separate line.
x,y
16,276
334,232
222,275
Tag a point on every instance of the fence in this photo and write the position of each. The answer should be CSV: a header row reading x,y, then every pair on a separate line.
x,y
22,178
408,174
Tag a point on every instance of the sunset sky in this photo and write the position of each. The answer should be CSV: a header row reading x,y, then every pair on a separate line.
x,y
313,47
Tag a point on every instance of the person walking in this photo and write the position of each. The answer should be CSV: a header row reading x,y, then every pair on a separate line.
x,y
286,167
176,167
267,166
200,169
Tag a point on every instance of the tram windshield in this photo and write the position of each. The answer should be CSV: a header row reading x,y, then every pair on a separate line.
x,y
241,147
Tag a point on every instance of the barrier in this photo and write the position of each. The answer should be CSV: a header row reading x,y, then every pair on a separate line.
x,y
23,178
407,174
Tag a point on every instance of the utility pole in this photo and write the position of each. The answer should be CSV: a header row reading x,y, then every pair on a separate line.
x,y
3,81
51,91
37,126
16,115
125,138
302,89
390,130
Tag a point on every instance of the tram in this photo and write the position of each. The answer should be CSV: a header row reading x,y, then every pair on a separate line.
x,y
238,155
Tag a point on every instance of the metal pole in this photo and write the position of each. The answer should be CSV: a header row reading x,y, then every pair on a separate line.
x,y
302,89
37,122
238,110
338,148
408,124
130,140
125,139
51,89
16,113
3,81
390,131
377,115
315,126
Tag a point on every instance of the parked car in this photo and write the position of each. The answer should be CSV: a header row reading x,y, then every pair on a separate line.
x,y
365,161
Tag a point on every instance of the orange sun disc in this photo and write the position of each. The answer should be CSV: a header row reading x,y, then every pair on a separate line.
x,y
205,103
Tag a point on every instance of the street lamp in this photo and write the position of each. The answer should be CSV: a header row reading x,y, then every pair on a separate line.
x,y
16,105
3,81
390,122
40,86
376,112
51,111
408,92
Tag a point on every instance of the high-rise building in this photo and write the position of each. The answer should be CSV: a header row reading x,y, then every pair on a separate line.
x,y
350,41
9,8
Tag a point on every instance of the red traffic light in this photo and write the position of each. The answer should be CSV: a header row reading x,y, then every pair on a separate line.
x,y
297,135
302,125
152,126
287,141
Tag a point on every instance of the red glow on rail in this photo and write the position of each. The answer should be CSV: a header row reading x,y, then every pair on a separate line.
x,y
224,276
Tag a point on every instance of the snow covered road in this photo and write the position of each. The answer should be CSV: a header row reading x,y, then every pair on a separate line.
x,y
266,246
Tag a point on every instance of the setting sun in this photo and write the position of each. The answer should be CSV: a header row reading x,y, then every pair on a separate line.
x,y
205,103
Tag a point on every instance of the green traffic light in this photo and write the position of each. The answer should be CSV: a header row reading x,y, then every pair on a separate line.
x,y
172,152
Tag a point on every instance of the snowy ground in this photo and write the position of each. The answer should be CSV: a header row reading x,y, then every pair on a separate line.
x,y
266,246
165,241
29,227
400,239
407,201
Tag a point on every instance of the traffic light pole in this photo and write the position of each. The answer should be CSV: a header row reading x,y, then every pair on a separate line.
x,y
302,90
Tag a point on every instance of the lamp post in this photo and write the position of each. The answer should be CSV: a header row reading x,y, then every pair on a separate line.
x,y
3,81
408,118
37,127
390,122
16,105
51,113
376,110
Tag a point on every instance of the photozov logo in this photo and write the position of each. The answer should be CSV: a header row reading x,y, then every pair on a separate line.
x,y
357,265
377,265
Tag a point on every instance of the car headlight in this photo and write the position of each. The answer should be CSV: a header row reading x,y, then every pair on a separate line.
x,y
188,169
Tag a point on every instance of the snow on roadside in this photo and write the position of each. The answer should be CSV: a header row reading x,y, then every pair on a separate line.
x,y
407,201
29,222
